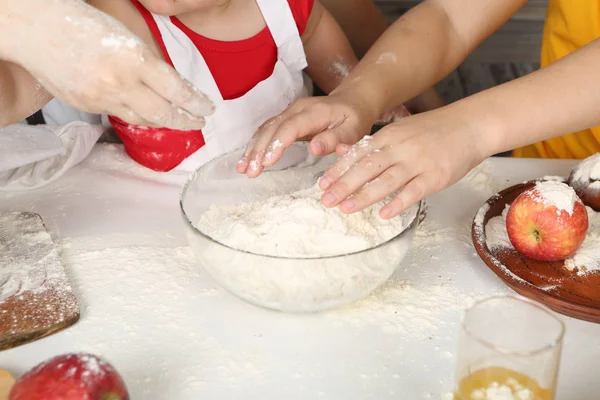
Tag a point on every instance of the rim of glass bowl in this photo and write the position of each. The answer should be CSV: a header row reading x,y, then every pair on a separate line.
x,y
406,230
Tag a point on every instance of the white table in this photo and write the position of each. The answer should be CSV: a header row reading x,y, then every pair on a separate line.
x,y
174,335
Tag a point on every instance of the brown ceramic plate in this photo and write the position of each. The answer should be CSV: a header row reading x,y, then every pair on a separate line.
x,y
549,283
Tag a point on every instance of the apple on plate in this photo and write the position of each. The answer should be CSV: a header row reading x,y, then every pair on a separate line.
x,y
70,377
547,222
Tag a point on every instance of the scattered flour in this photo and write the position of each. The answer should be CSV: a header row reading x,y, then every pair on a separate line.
x,y
553,178
558,194
387,58
121,289
119,41
495,231
587,257
31,275
400,306
298,225
340,69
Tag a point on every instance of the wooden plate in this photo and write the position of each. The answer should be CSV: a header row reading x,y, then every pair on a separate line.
x,y
549,283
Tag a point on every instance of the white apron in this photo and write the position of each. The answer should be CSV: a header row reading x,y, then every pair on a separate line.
x,y
235,121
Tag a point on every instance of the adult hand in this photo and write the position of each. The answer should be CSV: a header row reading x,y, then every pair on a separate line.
x,y
91,61
416,156
327,122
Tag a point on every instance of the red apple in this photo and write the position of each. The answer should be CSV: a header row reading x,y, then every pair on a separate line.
x,y
70,377
547,222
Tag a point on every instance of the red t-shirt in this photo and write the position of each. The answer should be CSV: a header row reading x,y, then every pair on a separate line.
x,y
236,67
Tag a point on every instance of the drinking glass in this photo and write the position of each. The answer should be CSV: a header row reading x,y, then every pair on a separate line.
x,y
509,348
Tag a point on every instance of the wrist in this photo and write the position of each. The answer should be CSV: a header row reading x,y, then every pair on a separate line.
x,y
477,134
363,97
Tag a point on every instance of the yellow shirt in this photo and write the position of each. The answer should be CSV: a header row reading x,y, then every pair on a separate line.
x,y
570,24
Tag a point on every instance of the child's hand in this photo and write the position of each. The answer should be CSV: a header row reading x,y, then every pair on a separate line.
x,y
326,121
92,62
418,155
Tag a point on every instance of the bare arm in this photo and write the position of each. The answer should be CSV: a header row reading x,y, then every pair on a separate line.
x,y
422,47
561,98
328,52
363,24
20,94
91,61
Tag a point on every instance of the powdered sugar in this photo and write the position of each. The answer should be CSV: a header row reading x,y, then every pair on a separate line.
x,y
558,194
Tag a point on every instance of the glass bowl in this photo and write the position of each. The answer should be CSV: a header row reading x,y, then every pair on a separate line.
x,y
284,283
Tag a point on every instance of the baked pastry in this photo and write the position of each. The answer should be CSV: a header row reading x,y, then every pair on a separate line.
x,y
585,179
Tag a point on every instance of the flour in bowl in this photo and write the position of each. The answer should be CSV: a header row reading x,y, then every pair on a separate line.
x,y
297,225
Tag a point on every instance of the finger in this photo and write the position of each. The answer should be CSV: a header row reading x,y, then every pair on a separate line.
x,y
415,190
156,110
325,143
353,155
366,169
126,114
306,123
387,183
257,148
171,86
342,149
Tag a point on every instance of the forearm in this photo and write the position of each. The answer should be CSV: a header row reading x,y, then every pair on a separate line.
x,y
21,94
328,52
18,20
559,99
422,47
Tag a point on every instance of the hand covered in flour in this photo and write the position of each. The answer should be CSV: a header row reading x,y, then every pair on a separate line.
x,y
326,121
417,156
91,61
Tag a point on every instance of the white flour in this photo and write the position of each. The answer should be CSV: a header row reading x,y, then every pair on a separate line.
x,y
31,272
387,58
587,257
279,214
297,225
558,194
496,233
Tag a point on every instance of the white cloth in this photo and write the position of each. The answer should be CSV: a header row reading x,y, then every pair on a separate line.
x,y
33,156
235,121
